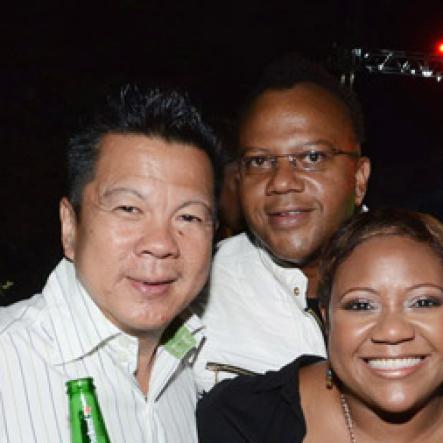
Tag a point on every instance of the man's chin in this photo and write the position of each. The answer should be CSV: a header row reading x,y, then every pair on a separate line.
x,y
287,254
293,257
286,261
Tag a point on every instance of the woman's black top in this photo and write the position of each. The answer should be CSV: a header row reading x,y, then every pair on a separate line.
x,y
259,409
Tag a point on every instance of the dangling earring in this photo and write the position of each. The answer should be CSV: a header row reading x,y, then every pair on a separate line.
x,y
329,378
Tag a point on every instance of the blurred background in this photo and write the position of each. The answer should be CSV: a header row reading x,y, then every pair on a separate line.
x,y
57,56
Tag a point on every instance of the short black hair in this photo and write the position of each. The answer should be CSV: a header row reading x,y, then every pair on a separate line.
x,y
422,228
292,69
165,113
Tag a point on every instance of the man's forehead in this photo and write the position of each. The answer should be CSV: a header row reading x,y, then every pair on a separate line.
x,y
305,95
115,147
132,161
301,115
118,142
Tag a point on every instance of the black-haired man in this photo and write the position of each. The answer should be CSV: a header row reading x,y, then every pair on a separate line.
x,y
301,174
137,232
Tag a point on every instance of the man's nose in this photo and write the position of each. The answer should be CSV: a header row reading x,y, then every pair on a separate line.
x,y
393,328
158,240
285,178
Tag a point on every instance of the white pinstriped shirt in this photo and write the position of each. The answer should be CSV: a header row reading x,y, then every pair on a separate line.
x,y
61,335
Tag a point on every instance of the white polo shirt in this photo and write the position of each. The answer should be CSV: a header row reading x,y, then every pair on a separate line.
x,y
256,316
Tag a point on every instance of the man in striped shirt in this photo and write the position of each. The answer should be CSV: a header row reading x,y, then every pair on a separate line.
x,y
137,232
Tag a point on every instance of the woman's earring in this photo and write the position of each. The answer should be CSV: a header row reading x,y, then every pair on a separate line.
x,y
329,378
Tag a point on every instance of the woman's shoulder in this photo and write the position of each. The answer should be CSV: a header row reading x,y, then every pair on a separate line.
x,y
270,382
255,404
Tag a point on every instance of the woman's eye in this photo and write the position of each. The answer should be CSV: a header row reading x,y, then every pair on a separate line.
x,y
427,302
358,305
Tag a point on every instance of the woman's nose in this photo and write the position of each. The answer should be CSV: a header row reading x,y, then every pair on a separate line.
x,y
392,328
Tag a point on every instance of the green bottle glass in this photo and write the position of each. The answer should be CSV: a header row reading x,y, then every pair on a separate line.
x,y
87,424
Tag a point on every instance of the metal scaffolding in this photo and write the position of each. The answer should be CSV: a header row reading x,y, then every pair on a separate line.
x,y
386,61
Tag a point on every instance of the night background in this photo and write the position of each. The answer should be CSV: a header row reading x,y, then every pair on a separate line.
x,y
57,57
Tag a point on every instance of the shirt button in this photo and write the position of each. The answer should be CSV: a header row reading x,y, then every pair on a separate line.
x,y
296,291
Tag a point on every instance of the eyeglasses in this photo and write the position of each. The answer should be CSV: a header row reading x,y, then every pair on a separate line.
x,y
318,159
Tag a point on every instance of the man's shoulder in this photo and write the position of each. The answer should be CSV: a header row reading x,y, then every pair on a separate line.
x,y
22,314
238,267
235,250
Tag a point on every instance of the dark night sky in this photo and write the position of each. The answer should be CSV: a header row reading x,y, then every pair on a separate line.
x,y
58,55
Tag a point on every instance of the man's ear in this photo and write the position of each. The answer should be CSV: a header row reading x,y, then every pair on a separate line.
x,y
68,221
362,173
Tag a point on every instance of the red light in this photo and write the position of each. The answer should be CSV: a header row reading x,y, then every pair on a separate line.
x,y
440,47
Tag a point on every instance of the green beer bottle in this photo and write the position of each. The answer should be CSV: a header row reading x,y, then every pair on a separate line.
x,y
87,424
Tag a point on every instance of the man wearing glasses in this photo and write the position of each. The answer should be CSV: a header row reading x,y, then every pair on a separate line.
x,y
301,174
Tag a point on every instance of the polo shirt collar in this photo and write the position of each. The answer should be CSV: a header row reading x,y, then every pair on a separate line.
x,y
293,279
81,326
85,328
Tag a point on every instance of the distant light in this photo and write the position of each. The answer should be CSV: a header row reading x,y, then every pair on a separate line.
x,y
440,47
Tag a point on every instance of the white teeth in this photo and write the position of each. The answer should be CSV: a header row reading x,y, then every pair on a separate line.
x,y
393,363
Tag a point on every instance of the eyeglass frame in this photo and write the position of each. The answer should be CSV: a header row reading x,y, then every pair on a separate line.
x,y
293,161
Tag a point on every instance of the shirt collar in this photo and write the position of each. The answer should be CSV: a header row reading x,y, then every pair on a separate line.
x,y
80,326
84,327
184,336
293,279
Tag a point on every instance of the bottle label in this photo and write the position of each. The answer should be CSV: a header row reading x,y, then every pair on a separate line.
x,y
89,422
181,343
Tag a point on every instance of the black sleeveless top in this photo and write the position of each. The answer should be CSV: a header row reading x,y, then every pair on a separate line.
x,y
258,409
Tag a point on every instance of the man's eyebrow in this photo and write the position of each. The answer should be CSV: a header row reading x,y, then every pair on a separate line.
x,y
123,190
316,142
126,190
203,203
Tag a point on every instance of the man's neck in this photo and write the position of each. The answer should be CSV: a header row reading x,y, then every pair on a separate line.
x,y
147,347
310,269
311,272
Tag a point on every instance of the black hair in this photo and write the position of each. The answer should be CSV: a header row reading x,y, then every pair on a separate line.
x,y
292,69
420,227
164,113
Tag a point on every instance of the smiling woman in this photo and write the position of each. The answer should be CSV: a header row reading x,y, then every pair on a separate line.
x,y
381,290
